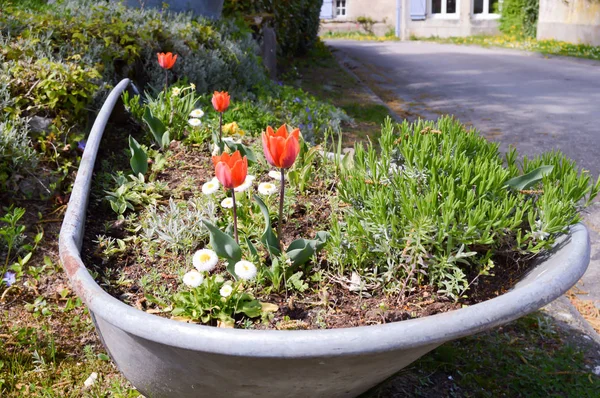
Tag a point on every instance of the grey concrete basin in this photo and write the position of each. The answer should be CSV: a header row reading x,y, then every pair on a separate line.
x,y
167,358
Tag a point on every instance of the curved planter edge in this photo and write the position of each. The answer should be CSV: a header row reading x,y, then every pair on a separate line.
x,y
171,348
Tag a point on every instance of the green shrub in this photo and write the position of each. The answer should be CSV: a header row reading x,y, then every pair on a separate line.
x,y
433,206
519,17
296,22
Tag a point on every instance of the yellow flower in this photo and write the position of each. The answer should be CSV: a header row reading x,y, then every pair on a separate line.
x,y
233,129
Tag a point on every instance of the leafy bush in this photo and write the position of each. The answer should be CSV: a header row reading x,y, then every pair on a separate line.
x,y
60,88
296,21
433,206
519,17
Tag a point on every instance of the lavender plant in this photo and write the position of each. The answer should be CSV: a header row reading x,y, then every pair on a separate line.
x,y
455,182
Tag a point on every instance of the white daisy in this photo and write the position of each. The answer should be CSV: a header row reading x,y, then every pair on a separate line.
x,y
193,278
266,188
197,113
176,91
194,122
227,203
246,184
210,187
205,260
275,174
192,86
219,279
245,270
226,290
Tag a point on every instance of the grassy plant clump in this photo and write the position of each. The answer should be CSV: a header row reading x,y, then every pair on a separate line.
x,y
432,206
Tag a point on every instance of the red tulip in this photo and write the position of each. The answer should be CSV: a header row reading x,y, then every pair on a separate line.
x,y
231,170
220,101
166,61
281,148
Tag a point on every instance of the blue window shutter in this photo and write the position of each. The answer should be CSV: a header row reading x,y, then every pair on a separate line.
x,y
327,9
418,10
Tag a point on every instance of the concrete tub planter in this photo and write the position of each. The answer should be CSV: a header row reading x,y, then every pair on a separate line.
x,y
167,358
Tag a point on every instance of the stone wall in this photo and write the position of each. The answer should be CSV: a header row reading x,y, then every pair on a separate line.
x,y
576,21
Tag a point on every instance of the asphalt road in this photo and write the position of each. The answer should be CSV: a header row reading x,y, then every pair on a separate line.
x,y
528,100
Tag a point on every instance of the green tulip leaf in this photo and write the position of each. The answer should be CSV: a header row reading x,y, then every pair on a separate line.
x,y
139,158
528,180
165,140
302,250
251,247
268,237
223,244
157,128
251,308
244,150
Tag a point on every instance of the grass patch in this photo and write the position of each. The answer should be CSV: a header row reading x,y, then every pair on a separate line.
x,y
357,35
548,47
373,113
531,357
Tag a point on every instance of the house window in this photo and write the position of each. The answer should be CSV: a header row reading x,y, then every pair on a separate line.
x,y
485,6
340,8
443,7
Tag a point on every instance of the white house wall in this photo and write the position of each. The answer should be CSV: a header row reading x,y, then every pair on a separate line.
x,y
384,13
461,25
576,21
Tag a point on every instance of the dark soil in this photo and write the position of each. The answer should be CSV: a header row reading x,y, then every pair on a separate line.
x,y
333,307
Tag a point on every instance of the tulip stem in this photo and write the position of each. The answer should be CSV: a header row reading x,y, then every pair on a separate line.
x,y
235,231
281,197
166,80
220,127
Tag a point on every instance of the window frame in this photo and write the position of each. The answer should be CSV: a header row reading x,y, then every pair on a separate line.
x,y
444,14
486,14
345,8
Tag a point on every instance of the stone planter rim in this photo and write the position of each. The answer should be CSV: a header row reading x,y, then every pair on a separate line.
x,y
566,266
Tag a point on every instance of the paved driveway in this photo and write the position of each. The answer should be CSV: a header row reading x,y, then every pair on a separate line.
x,y
528,100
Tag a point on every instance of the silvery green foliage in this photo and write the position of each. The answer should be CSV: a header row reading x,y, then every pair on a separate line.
x,y
5,99
214,55
177,226
16,151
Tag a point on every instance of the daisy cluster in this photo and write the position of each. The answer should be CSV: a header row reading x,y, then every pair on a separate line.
x,y
195,117
212,186
206,260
